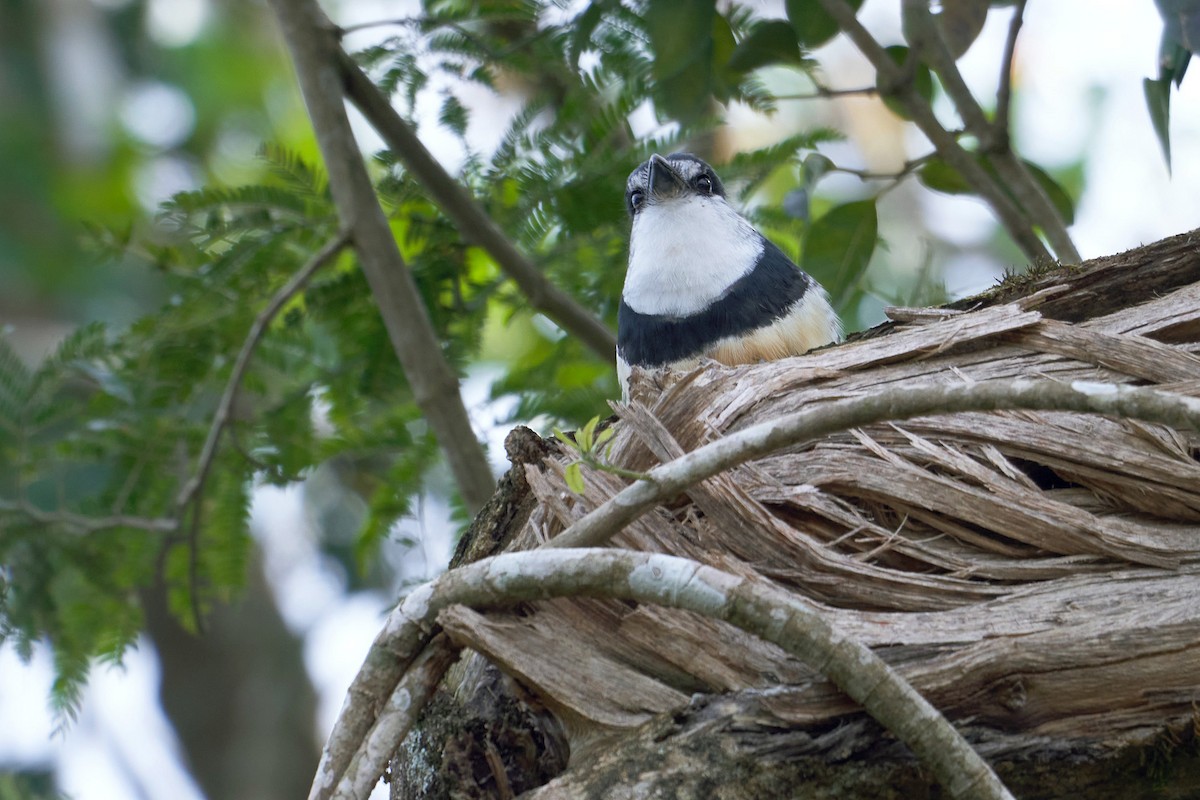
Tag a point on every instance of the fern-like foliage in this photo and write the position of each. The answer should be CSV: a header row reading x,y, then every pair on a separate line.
x,y
99,441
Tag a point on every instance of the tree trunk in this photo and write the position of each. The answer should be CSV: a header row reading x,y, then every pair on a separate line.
x,y
1034,575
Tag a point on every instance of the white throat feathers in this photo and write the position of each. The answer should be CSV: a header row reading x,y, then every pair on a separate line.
x,y
684,253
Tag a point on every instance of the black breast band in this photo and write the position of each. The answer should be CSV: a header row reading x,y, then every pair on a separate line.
x,y
755,300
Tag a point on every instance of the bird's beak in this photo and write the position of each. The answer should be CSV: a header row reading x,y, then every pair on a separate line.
x,y
664,181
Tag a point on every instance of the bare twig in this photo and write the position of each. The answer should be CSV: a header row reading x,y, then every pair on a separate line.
x,y
910,166
753,604
312,40
397,22
469,216
89,524
892,80
925,36
1004,90
259,327
825,93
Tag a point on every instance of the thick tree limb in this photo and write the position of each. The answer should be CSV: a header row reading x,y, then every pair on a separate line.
x,y
752,604
313,43
470,218
397,644
900,402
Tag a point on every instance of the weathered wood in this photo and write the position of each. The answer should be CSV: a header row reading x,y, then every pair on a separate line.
x,y
1035,575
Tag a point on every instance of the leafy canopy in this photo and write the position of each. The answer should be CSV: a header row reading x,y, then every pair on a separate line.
x,y
98,443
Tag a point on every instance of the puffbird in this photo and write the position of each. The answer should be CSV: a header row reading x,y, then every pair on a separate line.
x,y
702,282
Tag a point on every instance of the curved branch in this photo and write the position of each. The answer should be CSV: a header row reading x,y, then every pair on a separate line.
x,y
1004,88
88,524
397,644
220,420
469,217
195,482
899,402
753,604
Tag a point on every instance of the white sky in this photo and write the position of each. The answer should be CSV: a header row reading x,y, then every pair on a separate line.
x,y
1080,70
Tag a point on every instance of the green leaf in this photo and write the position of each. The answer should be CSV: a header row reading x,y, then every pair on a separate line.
x,y
567,439
573,475
681,37
937,174
586,435
604,436
1158,103
770,42
584,27
453,115
814,167
839,245
1058,196
814,27
961,21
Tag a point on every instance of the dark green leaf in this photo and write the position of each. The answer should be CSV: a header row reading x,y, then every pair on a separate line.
x,y
961,21
681,37
453,115
1059,196
938,175
815,167
839,245
814,27
1158,103
584,27
770,42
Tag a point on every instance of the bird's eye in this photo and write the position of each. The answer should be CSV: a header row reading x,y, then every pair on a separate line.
x,y
704,184
636,197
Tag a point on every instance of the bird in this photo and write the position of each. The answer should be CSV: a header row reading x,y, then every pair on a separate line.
x,y
702,282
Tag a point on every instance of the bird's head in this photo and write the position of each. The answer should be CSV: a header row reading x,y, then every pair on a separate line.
x,y
678,176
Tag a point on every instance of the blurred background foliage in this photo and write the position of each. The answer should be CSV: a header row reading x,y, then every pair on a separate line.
x,y
161,182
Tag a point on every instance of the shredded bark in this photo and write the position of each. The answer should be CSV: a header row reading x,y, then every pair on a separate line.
x,y
1034,573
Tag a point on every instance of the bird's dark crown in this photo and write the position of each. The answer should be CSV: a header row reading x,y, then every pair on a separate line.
x,y
676,175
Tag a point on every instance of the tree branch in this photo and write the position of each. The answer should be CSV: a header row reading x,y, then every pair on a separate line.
x,y
1004,90
752,604
469,216
925,36
221,417
899,402
195,483
88,524
392,649
893,80
312,40
825,93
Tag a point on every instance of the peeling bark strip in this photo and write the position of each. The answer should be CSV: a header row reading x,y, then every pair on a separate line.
x,y
899,403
